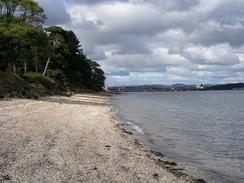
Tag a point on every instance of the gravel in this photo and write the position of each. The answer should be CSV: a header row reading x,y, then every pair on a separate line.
x,y
76,139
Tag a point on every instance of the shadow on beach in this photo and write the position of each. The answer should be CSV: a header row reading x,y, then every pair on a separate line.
x,y
76,99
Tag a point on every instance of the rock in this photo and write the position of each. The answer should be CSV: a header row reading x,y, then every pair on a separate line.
x,y
155,175
157,153
127,132
32,95
6,178
94,168
170,163
35,95
199,181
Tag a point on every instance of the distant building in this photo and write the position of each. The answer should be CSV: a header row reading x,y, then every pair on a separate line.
x,y
201,87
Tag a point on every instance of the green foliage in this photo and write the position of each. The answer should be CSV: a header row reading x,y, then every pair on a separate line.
x,y
13,85
27,11
41,84
69,57
26,48
93,77
58,74
20,44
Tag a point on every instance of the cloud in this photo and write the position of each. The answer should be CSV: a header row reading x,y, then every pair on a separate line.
x,y
214,55
157,61
158,41
120,17
212,32
55,11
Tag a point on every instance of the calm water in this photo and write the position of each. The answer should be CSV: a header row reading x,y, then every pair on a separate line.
x,y
204,130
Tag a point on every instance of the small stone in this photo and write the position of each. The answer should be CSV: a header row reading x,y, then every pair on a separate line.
x,y
200,181
157,153
155,175
127,132
170,163
6,177
94,168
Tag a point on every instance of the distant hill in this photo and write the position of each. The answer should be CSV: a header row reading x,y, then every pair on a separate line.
x,y
152,88
141,88
180,86
176,87
231,86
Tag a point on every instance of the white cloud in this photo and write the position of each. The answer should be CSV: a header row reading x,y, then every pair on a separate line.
x,y
214,55
119,17
159,41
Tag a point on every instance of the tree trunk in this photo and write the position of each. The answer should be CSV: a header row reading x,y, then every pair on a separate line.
x,y
14,69
45,70
36,66
1,9
25,67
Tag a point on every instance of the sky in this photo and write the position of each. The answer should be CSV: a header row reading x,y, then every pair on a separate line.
x,y
157,41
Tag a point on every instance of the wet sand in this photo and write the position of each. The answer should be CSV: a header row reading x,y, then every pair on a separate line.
x,y
76,139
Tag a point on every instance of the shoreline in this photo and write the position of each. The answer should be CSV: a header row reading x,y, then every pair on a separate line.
x,y
159,158
76,139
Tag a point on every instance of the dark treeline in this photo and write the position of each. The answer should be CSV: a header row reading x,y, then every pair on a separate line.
x,y
27,47
230,86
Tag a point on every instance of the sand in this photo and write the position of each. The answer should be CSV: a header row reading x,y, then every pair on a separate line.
x,y
76,139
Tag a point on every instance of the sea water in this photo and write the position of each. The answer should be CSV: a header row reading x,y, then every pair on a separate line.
x,y
200,129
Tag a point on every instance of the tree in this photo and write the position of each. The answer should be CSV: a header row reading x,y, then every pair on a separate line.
x,y
18,43
57,48
20,31
25,46
8,7
32,13
93,75
6,48
27,11
68,56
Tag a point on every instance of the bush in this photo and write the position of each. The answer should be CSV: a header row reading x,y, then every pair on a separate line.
x,y
57,74
13,86
43,85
